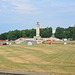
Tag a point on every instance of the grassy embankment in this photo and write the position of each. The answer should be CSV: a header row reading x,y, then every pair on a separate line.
x,y
58,59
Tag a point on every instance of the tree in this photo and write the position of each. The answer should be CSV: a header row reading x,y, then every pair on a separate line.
x,y
46,32
23,33
32,33
60,33
13,35
70,29
3,36
73,35
64,32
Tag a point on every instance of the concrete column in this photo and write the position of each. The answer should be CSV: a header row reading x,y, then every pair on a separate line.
x,y
37,29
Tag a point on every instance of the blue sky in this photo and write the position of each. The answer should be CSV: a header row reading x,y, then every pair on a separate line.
x,y
23,14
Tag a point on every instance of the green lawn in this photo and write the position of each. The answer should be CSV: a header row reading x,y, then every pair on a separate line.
x,y
57,59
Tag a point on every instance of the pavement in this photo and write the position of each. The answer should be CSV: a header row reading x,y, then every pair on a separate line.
x,y
20,73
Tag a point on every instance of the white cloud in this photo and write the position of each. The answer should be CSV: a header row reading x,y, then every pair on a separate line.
x,y
23,6
63,6
19,6
4,6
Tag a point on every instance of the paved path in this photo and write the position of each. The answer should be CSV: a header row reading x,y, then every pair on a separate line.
x,y
19,73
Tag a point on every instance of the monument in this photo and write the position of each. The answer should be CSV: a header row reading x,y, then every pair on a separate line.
x,y
31,41
37,29
37,37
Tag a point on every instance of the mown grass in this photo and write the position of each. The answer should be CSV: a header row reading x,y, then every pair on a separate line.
x,y
58,59
54,42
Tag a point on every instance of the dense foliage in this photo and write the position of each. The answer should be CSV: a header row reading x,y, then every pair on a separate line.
x,y
60,33
13,35
46,32
65,33
73,34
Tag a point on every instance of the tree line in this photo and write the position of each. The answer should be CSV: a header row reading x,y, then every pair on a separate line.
x,y
28,33
60,33
65,33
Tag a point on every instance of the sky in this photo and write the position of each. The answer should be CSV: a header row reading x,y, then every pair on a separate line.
x,y
24,14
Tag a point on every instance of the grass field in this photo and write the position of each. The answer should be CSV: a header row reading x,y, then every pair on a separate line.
x,y
70,42
44,58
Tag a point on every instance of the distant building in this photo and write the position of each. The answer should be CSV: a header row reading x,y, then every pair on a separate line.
x,y
74,25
